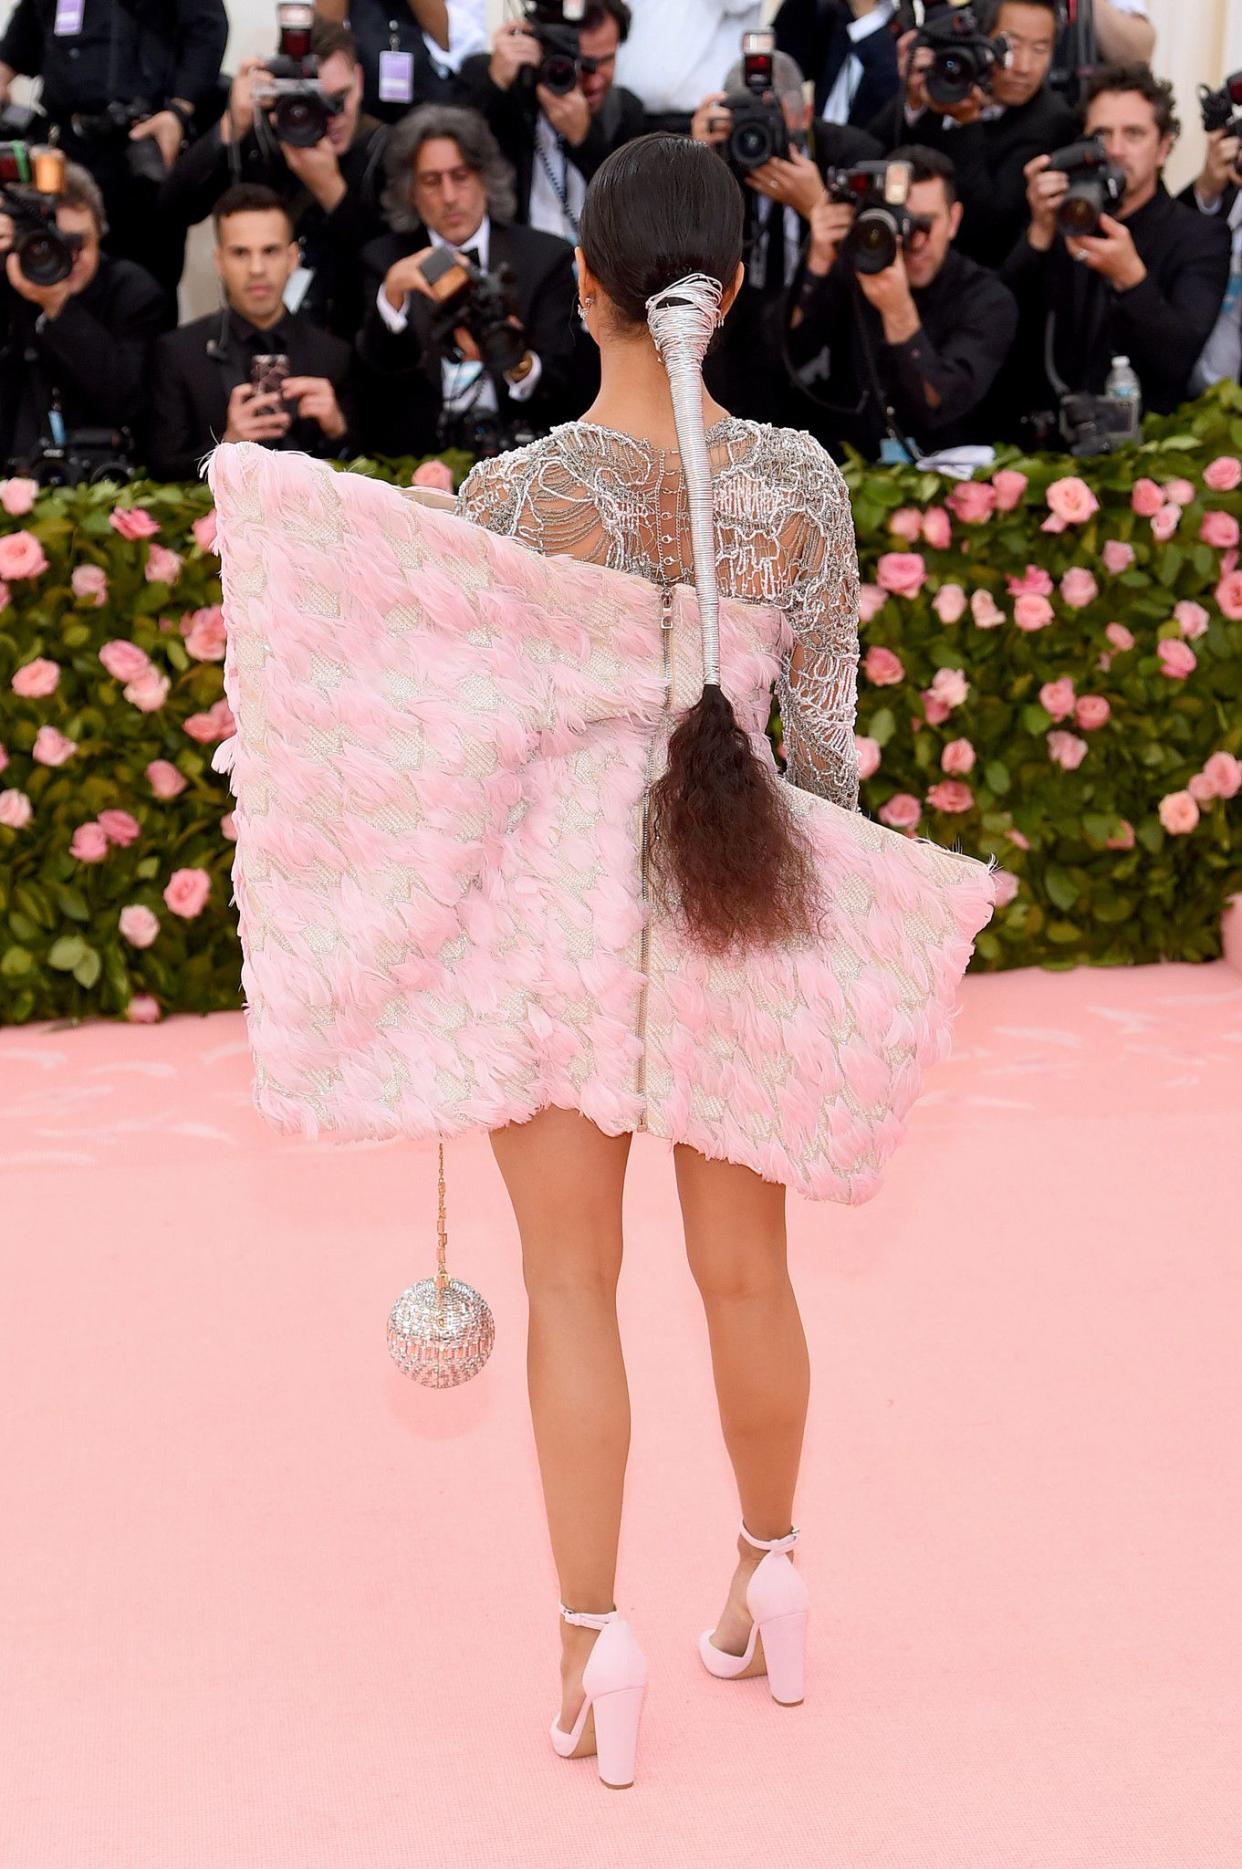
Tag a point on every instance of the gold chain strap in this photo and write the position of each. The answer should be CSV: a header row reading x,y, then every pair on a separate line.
x,y
441,1232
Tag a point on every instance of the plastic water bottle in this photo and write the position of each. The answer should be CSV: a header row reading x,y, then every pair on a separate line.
x,y
1124,389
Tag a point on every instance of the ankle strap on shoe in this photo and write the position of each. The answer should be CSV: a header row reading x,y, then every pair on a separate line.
x,y
769,1544
589,1618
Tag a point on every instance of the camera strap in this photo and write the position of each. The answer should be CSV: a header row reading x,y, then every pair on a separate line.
x,y
560,188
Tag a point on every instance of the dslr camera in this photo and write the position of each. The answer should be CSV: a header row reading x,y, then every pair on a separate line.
x,y
31,183
84,458
963,57
117,119
758,130
298,107
483,303
1096,424
1219,108
883,223
557,24
1096,185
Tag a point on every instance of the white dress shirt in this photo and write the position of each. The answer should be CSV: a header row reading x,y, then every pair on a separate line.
x,y
467,35
679,50
547,209
839,101
464,385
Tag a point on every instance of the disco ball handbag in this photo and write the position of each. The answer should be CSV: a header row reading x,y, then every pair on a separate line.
x,y
440,1330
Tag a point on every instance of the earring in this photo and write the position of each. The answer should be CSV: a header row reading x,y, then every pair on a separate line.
x,y
585,304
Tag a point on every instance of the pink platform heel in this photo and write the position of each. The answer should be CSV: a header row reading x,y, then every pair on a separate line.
x,y
614,1682
778,1601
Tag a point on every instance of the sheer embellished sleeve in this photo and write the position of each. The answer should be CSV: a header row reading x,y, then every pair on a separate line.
x,y
491,493
817,690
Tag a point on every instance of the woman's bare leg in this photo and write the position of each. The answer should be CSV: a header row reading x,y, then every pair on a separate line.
x,y
565,1179
735,1243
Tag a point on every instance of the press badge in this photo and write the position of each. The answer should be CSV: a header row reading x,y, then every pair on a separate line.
x,y
396,73
68,21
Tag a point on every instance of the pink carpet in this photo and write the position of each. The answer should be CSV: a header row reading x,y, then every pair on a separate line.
x,y
264,1603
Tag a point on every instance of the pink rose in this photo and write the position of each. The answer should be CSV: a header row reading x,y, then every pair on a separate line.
x,y
119,827
937,529
204,638
950,795
985,610
162,566
1191,619
1147,498
950,686
1010,485
1123,837
1181,492
1165,523
1117,556
1032,613
1229,595
1054,523
949,603
1224,773
1005,884
958,757
21,556
35,679
186,891
143,1009
133,522
52,748
204,531
1119,636
902,573
1200,789
1066,749
433,474
882,667
217,723
868,751
89,844
228,827
89,581
16,810
18,496
124,661
1034,582
934,709
1178,813
901,812
1220,530
1016,837
164,779
974,502
1091,711
148,692
870,599
1223,474
1177,658
139,925
1079,588
1072,500
906,523
1057,697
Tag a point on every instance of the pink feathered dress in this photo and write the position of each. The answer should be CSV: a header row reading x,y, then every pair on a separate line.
x,y
444,743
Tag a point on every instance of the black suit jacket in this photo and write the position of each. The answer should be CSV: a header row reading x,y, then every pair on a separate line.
x,y
163,49
401,383
512,113
989,159
191,387
815,33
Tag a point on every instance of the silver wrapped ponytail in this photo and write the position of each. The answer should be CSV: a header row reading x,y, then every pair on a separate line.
x,y
682,317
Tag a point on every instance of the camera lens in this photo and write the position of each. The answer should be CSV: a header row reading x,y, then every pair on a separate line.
x,y
1081,208
951,77
874,240
751,145
559,74
44,258
300,121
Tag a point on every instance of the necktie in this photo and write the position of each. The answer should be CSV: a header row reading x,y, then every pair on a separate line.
x,y
470,253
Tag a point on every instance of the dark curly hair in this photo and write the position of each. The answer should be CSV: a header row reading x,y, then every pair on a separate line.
x,y
723,839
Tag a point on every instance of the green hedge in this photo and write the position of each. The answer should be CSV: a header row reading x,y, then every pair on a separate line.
x,y
84,839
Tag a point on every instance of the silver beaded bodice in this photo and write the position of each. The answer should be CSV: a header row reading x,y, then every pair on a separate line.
x,y
784,536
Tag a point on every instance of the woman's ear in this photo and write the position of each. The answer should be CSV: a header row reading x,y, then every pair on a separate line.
x,y
733,288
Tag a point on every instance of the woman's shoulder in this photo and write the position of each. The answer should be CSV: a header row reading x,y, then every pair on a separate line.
x,y
787,450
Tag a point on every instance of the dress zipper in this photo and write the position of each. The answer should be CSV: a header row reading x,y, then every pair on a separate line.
x,y
666,637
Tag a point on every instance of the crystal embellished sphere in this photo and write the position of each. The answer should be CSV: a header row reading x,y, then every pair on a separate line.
x,y
440,1333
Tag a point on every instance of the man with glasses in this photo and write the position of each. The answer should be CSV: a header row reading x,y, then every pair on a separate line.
x,y
555,139
450,188
909,352
331,189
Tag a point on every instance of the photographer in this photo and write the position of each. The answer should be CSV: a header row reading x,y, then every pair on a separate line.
x,y
992,133
449,188
555,134
122,86
254,371
847,44
330,186
73,354
923,336
744,368
1147,284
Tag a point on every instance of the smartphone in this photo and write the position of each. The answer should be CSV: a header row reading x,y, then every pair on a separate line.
x,y
268,372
